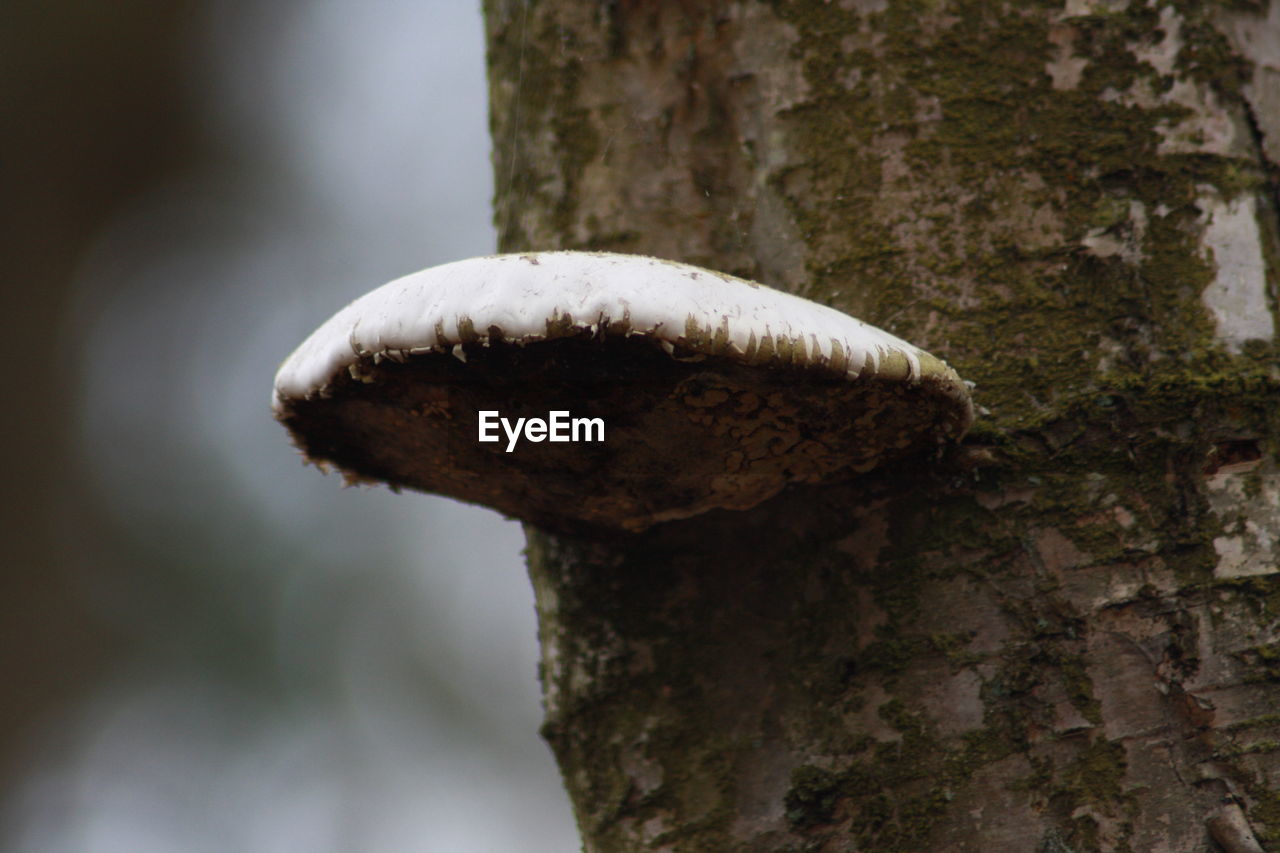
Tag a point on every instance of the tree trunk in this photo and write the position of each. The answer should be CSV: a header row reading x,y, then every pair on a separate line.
x,y
1063,635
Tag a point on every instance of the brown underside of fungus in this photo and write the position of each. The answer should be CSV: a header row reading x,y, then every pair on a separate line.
x,y
711,391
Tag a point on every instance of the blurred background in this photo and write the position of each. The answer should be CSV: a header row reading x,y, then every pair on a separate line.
x,y
207,645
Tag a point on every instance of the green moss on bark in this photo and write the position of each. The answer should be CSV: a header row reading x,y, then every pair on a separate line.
x,y
979,115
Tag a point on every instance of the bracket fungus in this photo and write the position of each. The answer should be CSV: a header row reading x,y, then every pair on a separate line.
x,y
711,391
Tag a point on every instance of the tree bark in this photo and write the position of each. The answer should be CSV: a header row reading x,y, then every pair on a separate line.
x,y
1062,635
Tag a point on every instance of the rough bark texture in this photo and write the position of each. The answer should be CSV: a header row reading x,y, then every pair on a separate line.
x,y
1065,635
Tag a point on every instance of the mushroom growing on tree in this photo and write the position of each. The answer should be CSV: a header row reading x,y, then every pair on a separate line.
x,y
598,392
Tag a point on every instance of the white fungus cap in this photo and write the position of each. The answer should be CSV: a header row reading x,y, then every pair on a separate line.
x,y
578,332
